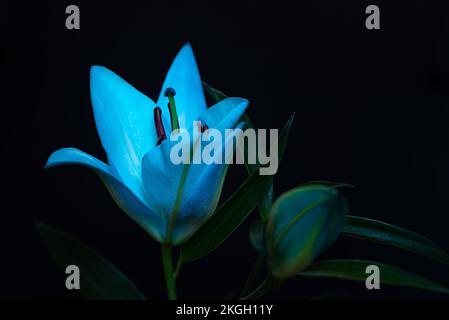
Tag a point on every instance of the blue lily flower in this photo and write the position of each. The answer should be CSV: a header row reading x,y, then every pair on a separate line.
x,y
169,201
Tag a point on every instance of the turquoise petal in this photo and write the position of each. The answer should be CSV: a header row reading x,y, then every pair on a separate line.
x,y
125,123
207,183
184,77
200,194
161,177
203,183
225,113
131,203
200,191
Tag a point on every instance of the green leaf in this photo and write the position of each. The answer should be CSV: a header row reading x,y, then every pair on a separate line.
x,y
329,184
215,94
99,279
387,234
232,212
226,218
256,236
353,269
264,203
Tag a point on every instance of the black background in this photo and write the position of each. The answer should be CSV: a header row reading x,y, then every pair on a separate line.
x,y
371,110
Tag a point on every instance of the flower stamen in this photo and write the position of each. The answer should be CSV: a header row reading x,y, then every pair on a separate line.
x,y
170,94
160,131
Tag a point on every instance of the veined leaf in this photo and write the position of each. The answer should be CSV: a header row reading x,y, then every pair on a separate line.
x,y
232,212
387,234
99,279
353,269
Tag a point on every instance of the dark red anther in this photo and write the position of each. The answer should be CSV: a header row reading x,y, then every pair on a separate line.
x,y
160,131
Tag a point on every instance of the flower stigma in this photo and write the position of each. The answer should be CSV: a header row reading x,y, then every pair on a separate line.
x,y
170,94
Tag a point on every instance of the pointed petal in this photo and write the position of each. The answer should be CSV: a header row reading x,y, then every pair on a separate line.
x,y
203,183
129,202
124,119
184,77
225,114
160,177
201,202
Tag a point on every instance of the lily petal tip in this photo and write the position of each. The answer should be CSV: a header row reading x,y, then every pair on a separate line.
x,y
97,70
187,46
242,102
50,161
186,51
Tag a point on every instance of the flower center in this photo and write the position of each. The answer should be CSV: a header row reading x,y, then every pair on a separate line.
x,y
160,131
170,94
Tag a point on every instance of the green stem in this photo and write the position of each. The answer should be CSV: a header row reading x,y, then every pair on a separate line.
x,y
167,262
267,285
252,278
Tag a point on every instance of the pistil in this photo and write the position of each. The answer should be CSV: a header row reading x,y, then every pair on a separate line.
x,y
170,94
